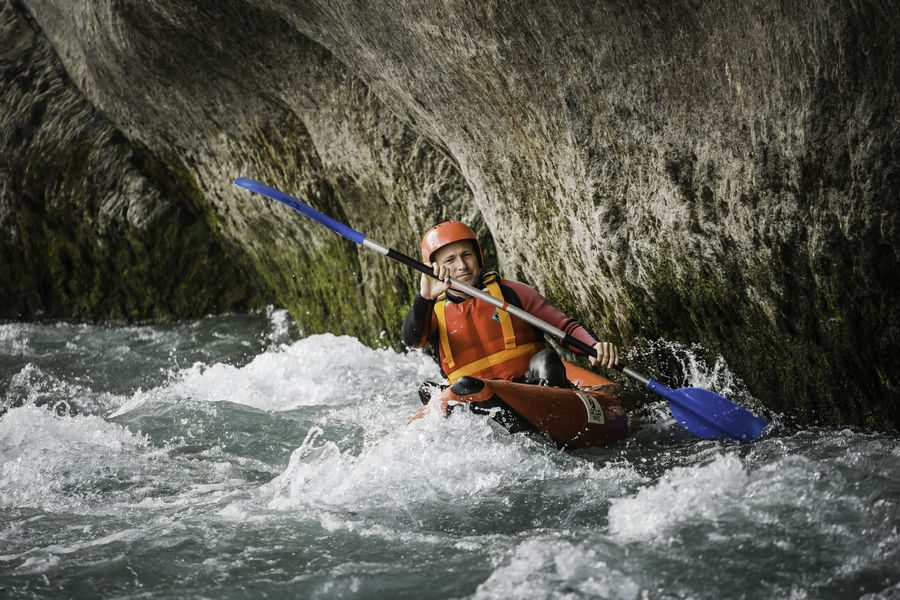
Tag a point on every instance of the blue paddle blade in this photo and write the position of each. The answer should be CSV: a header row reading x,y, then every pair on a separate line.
x,y
709,415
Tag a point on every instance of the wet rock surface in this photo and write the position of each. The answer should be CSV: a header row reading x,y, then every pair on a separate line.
x,y
718,174
95,225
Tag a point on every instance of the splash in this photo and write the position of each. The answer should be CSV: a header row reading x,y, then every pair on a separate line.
x,y
15,340
543,568
282,327
465,460
681,365
32,385
321,370
58,463
678,365
684,494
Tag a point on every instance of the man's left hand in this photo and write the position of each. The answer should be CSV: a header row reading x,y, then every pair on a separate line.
x,y
607,355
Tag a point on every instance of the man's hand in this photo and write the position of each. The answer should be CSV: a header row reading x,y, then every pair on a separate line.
x,y
607,355
430,288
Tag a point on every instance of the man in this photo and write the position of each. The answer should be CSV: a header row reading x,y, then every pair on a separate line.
x,y
473,337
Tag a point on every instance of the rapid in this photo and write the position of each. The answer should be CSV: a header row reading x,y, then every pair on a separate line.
x,y
234,457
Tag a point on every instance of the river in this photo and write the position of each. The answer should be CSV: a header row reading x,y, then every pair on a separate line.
x,y
232,457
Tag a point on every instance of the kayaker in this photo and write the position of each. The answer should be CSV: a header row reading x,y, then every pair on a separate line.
x,y
476,339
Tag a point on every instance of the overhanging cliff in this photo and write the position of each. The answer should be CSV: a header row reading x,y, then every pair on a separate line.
x,y
722,174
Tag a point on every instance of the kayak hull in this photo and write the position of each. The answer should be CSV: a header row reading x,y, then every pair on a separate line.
x,y
589,415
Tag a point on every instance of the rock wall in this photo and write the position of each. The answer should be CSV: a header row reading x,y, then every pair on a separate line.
x,y
232,90
724,174
95,225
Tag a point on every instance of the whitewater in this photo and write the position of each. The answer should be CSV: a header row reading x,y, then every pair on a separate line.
x,y
234,457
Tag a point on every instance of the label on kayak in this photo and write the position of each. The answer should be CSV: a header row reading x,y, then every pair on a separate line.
x,y
594,409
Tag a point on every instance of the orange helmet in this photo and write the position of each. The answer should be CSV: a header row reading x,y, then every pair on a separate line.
x,y
446,233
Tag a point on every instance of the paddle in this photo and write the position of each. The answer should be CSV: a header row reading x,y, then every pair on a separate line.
x,y
700,411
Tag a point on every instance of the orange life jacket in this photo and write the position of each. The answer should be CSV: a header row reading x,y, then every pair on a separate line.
x,y
479,340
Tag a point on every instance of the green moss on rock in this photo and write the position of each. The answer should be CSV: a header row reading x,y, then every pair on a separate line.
x,y
692,306
61,263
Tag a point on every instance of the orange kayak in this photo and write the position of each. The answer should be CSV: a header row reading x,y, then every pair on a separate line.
x,y
587,415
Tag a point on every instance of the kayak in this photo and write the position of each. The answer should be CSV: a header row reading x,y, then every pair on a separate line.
x,y
588,415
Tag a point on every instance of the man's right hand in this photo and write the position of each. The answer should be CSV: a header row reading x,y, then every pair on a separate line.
x,y
430,288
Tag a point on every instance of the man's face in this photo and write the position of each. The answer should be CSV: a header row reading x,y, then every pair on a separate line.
x,y
461,261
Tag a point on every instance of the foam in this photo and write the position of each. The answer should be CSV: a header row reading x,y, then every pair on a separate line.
x,y
462,459
319,370
550,568
32,385
684,494
57,462
281,324
15,339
